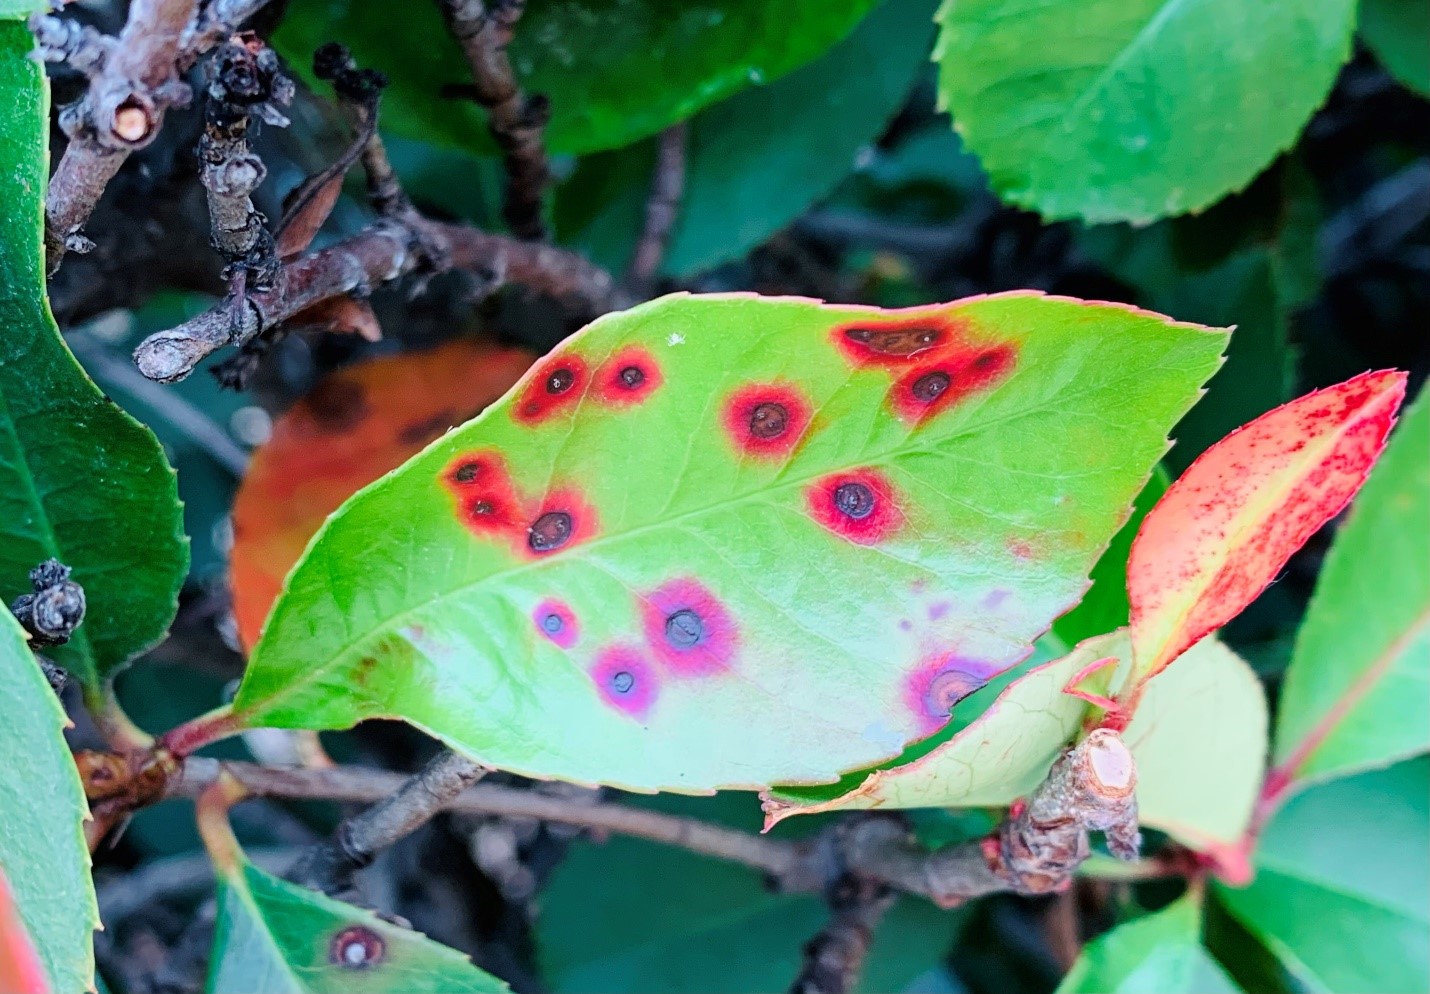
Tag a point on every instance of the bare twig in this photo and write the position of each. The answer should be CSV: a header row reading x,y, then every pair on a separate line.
x,y
1036,850
662,207
484,30
330,866
834,958
134,79
380,254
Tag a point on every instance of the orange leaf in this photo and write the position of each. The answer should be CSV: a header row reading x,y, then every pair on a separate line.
x,y
1222,532
20,969
353,427
341,315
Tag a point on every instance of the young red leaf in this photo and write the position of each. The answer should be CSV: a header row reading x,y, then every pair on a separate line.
x,y
1224,530
20,968
354,426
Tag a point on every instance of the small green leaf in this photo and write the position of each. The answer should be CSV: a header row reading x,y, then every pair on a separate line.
x,y
731,541
756,161
1199,738
1161,953
614,72
1342,888
1129,110
80,480
1356,693
1398,32
43,853
281,938
999,756
672,922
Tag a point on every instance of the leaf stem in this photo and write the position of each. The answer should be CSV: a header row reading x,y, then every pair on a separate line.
x,y
117,727
188,738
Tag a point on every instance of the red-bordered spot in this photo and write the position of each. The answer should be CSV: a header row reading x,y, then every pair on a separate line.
x,y
562,519
556,385
357,947
860,505
879,341
766,419
933,689
556,622
482,488
628,377
938,383
626,680
688,629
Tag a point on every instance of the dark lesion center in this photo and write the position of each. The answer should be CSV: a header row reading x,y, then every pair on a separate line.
x,y
684,629
854,500
549,532
769,420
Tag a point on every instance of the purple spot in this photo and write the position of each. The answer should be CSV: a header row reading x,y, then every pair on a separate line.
x,y
995,600
906,624
936,686
938,610
625,680
556,622
688,629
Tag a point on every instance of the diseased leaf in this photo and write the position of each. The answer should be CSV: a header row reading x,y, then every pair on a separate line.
x,y
1398,32
43,854
355,425
1001,755
673,922
1129,110
1356,695
281,938
1161,953
731,541
656,63
1229,524
756,161
80,480
1342,888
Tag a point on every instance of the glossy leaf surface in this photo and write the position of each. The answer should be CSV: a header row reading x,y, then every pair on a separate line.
x,y
673,922
656,63
356,425
1139,108
1230,522
758,160
80,480
1161,953
1342,888
733,541
282,938
1358,691
43,854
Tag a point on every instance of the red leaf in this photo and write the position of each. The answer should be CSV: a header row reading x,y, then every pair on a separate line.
x,y
1222,532
354,426
20,969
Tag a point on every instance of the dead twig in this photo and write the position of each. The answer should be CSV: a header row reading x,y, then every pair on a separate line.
x,y
834,959
484,30
661,210
380,254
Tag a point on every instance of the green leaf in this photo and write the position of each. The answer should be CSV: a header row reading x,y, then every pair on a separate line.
x,y
1104,608
80,480
1129,110
43,853
1342,889
757,161
708,613
999,756
672,922
281,938
1199,738
1161,953
1398,32
1356,692
22,8
614,71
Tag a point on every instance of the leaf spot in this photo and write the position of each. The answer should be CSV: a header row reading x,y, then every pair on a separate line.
x,y
357,947
549,532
